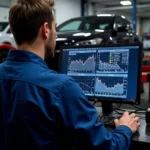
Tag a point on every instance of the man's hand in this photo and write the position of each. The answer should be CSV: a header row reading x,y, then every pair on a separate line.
x,y
131,121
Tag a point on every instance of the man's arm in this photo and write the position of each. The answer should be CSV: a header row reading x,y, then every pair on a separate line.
x,y
81,126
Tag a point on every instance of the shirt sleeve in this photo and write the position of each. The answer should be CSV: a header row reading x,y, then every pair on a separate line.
x,y
81,126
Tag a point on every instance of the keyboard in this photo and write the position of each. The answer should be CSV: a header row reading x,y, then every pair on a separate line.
x,y
108,120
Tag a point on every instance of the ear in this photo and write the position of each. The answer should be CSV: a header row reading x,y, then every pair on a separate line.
x,y
45,30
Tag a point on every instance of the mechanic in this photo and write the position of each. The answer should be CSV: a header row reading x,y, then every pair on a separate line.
x,y
43,110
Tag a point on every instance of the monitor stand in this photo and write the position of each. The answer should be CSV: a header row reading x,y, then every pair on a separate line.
x,y
107,108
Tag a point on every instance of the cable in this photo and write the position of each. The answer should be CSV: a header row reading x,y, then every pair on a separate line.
x,y
118,105
139,108
142,118
119,113
139,111
95,102
114,108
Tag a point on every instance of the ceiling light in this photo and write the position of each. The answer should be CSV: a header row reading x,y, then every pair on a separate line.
x,y
125,3
97,30
104,15
123,17
82,34
61,39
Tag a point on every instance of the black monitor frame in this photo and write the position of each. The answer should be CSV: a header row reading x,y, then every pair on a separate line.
x,y
114,100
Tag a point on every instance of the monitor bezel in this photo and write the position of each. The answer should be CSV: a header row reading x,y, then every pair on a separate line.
x,y
136,101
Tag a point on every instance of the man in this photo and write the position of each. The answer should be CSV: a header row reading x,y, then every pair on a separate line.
x,y
43,110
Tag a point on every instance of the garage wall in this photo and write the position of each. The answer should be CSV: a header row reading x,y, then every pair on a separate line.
x,y
66,9
145,23
4,14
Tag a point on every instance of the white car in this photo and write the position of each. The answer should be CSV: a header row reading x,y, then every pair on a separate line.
x,y
6,36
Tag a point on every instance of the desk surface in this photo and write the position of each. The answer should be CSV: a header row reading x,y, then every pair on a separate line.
x,y
143,133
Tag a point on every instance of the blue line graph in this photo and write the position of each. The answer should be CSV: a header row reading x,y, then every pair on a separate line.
x,y
111,86
82,63
113,62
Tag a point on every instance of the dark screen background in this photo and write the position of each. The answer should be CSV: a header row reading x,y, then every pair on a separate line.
x,y
132,68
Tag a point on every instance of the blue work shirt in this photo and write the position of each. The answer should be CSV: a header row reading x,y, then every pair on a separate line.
x,y
43,110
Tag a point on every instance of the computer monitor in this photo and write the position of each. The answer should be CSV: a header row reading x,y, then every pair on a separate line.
x,y
109,74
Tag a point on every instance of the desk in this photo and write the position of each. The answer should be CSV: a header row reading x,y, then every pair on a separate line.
x,y
141,138
143,134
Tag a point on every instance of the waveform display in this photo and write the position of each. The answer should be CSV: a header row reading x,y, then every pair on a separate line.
x,y
113,62
111,86
86,83
83,63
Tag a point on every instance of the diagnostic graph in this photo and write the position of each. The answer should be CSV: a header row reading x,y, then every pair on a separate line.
x,y
111,86
82,63
86,83
113,62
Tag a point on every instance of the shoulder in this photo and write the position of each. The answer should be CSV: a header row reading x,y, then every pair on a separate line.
x,y
64,87
70,88
65,82
55,81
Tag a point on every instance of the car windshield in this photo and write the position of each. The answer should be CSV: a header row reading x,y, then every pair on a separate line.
x,y
86,24
3,25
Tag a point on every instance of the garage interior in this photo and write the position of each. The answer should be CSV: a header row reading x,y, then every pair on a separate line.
x,y
73,29
137,12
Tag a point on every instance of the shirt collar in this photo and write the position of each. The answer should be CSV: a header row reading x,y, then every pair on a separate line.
x,y
25,56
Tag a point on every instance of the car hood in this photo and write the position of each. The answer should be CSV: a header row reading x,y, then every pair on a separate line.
x,y
67,36
70,38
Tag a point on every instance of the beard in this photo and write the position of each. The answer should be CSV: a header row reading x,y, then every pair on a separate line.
x,y
50,48
50,53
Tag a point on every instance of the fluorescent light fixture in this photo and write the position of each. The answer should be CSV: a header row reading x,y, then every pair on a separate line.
x,y
104,15
82,34
97,30
61,39
11,35
125,3
131,34
123,17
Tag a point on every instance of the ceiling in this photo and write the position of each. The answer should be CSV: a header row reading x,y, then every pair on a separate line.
x,y
143,6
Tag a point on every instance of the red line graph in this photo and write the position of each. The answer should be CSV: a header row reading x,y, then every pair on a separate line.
x,y
81,83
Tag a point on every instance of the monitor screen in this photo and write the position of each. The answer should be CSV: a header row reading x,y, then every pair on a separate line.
x,y
105,73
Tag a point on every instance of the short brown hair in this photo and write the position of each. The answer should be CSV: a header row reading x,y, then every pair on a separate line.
x,y
27,16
